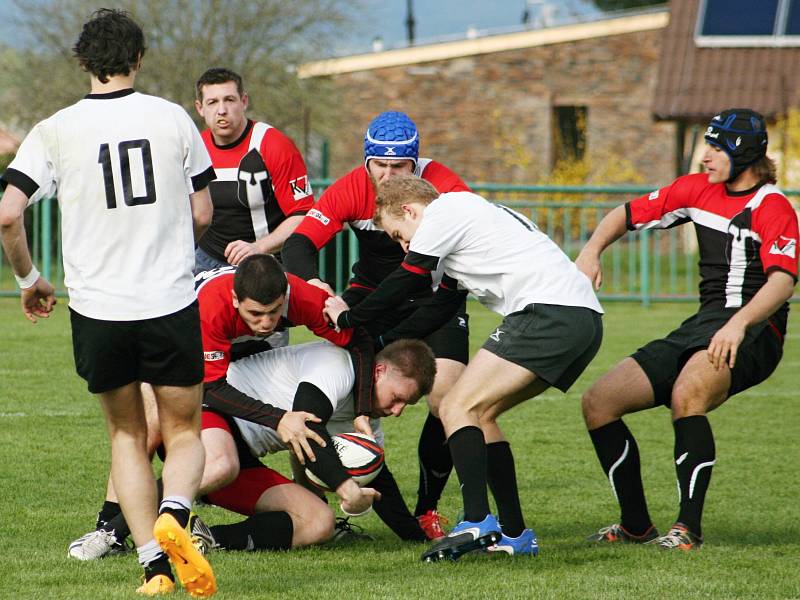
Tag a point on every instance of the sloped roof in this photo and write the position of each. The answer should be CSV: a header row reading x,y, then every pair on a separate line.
x,y
694,82
617,25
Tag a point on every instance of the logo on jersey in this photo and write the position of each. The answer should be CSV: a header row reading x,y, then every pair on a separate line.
x,y
315,214
255,185
213,355
784,246
653,195
300,187
462,322
496,335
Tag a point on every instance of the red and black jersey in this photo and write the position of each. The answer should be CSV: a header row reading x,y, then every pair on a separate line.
x,y
351,200
261,180
742,237
221,324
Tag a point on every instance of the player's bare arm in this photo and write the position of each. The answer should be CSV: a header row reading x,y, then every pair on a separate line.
x,y
38,295
238,250
725,343
610,229
202,211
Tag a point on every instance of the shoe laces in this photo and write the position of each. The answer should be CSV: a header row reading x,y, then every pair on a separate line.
x,y
433,520
345,528
675,537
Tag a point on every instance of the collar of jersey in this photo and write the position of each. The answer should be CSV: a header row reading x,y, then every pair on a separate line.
x,y
746,192
111,95
245,133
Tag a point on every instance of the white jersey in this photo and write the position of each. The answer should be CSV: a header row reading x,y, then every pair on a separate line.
x,y
122,166
497,254
274,376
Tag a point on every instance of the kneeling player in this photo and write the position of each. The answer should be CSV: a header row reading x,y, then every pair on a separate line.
x,y
316,378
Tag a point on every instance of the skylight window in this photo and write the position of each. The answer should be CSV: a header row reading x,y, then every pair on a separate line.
x,y
748,23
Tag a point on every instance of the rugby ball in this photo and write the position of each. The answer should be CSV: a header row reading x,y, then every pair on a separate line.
x,y
361,457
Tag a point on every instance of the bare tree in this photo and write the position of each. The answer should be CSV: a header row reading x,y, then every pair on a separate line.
x,y
261,39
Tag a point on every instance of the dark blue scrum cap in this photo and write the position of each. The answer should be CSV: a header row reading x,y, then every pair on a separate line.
x,y
742,134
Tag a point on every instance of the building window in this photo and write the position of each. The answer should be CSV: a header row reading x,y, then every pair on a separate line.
x,y
748,23
569,133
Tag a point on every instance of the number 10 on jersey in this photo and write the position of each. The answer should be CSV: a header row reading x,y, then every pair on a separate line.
x,y
123,152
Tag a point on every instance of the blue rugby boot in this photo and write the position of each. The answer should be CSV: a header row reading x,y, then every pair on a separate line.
x,y
524,543
465,537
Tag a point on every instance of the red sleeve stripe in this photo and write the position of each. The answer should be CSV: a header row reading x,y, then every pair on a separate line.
x,y
415,270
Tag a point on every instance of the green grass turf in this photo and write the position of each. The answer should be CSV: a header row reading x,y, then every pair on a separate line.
x,y
54,460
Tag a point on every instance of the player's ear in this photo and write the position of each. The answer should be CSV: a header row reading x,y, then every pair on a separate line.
x,y
379,369
245,100
198,107
235,299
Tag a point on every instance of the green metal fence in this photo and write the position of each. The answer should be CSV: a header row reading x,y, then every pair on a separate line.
x,y
642,267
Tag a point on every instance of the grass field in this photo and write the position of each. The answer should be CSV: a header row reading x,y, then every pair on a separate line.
x,y
54,460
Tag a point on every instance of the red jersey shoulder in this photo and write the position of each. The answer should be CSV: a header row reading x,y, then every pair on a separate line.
x,y
349,198
442,178
277,147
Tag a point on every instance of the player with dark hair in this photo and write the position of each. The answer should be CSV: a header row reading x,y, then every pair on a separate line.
x,y
551,330
391,147
747,235
316,378
131,175
262,189
241,304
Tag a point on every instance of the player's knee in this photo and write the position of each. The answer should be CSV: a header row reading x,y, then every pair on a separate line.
x,y
313,524
219,470
596,408
688,398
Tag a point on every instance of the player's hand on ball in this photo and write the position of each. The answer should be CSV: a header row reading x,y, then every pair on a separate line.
x,y
361,425
238,250
294,433
38,300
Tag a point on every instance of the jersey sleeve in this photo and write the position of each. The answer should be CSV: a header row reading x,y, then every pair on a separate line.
x,y
197,163
443,179
216,338
777,226
663,208
306,302
289,173
33,168
328,369
336,206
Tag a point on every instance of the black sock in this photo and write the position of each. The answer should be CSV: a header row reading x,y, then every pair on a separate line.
x,y
502,478
108,512
619,456
695,455
159,566
435,464
468,448
392,509
119,526
262,531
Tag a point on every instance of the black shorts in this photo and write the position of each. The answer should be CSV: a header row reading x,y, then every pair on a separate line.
x,y
450,341
164,350
554,342
662,360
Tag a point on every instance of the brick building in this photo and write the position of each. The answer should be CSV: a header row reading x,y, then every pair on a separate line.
x,y
505,108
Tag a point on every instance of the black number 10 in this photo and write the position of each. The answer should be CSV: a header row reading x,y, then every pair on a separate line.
x,y
125,170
